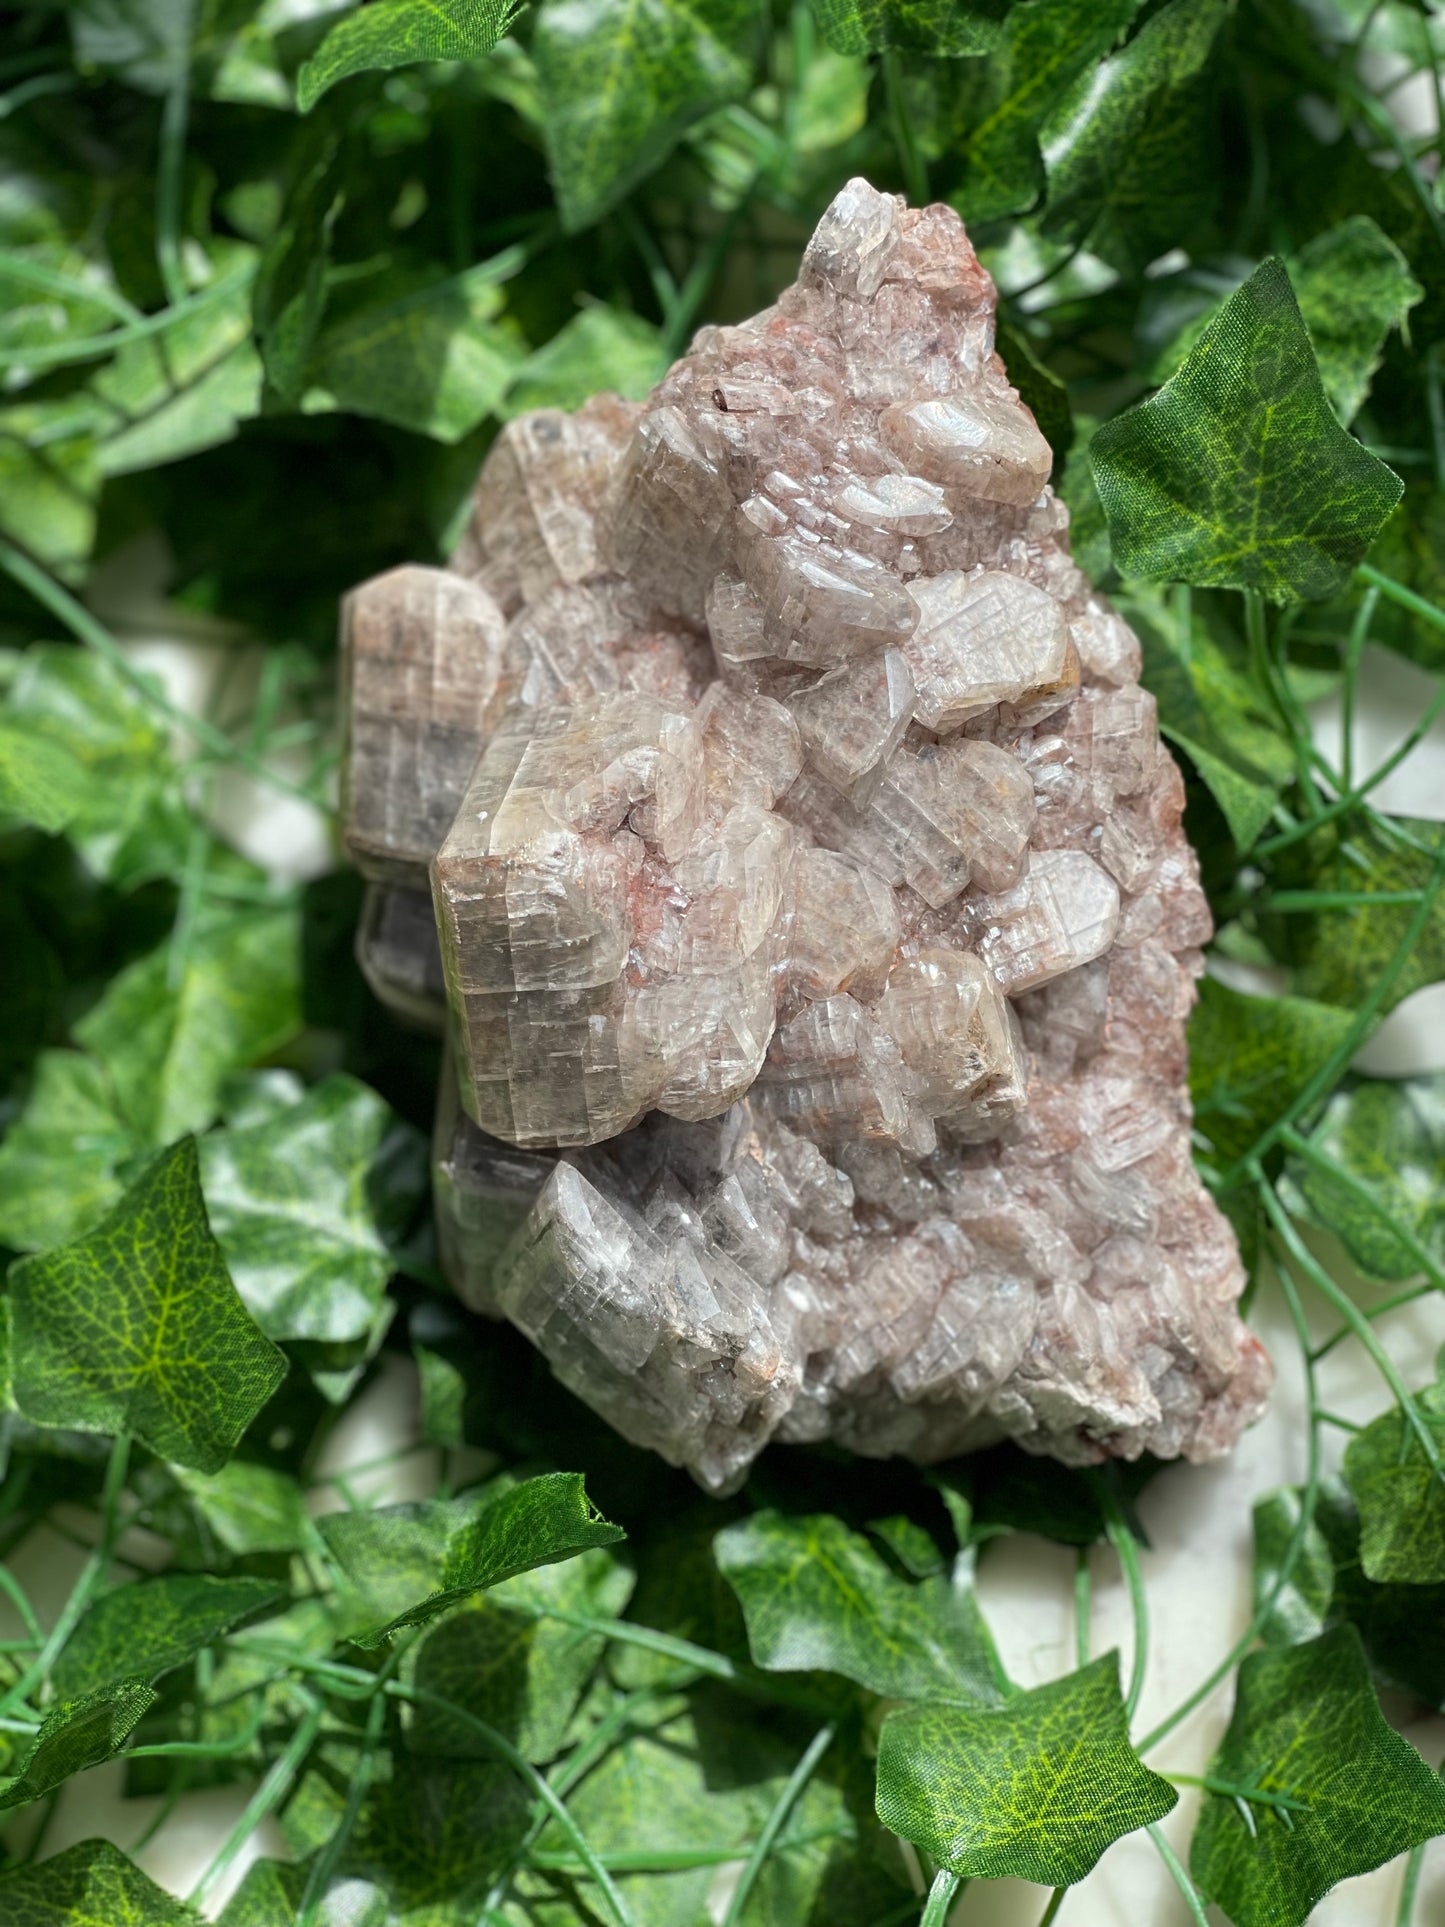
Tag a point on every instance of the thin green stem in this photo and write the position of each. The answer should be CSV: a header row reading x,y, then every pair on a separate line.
x,y
1354,648
941,1896
1327,1076
1292,1551
1392,1303
329,1858
1186,1886
1410,1886
267,1797
1051,1911
910,157
773,1825
170,178
1358,1323
59,354
1083,1604
1306,1148
92,1575
1228,1790
504,1750
84,627
18,1598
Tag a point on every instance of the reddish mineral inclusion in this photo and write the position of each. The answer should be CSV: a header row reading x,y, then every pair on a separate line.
x,y
816,922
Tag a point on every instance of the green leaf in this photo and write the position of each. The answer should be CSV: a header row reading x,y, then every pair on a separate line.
x,y
152,1627
173,1026
600,349
1328,1587
621,80
1035,1789
944,28
396,33
89,1885
1385,1138
1039,388
1047,44
1306,1725
1220,719
75,1734
447,1549
40,782
1300,1600
50,481
310,1205
1401,1498
130,821
819,1597
1340,955
250,1508
498,1660
273,1890
1237,474
425,354
58,1160
1354,287
187,387
1126,151
435,1836
1249,1057
137,1327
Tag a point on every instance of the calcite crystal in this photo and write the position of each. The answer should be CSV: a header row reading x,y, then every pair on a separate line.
x,y
816,922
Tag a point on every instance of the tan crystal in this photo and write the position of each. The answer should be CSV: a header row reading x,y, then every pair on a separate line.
x,y
817,923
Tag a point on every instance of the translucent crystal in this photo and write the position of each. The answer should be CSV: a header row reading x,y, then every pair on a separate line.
x,y
814,913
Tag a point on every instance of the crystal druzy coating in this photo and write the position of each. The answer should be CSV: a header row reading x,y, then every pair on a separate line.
x,y
816,923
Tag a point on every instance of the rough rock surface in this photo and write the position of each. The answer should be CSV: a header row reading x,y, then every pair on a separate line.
x,y
817,924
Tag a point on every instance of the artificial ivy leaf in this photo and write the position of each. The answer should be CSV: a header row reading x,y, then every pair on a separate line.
x,y
129,821
707,1774
1237,474
1047,44
620,80
1401,1499
1306,1725
75,1734
187,387
40,781
89,1885
1385,1137
396,33
1249,1057
944,28
59,1158
290,291
601,348
309,1206
137,1326
250,1508
1126,149
1039,388
1328,1587
272,1893
1035,1788
499,1660
447,1549
50,481
152,1627
429,355
174,1025
434,1836
1354,288
819,1597
1220,719
1340,954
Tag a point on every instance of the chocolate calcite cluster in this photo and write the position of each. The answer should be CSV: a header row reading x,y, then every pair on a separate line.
x,y
816,925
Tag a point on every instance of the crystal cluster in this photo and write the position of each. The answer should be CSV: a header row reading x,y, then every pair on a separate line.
x,y
816,924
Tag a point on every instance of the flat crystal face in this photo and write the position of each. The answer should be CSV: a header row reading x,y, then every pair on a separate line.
x,y
815,920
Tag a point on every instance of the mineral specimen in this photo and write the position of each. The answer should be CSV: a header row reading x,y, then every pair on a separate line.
x,y
816,920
